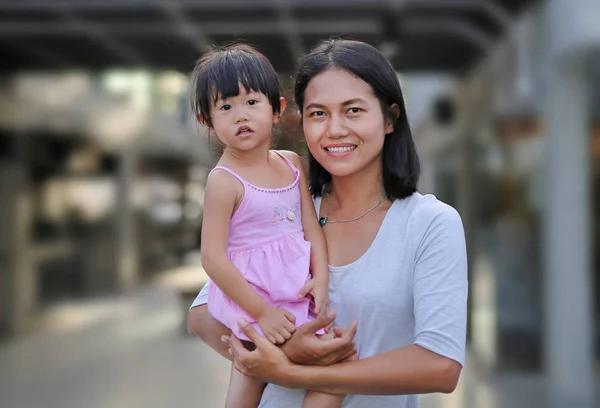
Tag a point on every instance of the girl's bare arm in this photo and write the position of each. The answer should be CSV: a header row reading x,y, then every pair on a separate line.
x,y
222,193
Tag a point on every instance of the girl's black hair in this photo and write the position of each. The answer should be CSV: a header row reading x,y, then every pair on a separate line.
x,y
400,162
219,72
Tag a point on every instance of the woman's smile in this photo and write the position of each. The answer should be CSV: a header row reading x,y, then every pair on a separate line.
x,y
342,149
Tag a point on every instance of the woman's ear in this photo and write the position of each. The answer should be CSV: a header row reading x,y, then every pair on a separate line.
x,y
282,106
389,124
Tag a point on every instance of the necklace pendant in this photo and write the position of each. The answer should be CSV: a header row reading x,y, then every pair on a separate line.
x,y
322,221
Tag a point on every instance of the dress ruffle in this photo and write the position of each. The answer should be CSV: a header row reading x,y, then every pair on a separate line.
x,y
277,271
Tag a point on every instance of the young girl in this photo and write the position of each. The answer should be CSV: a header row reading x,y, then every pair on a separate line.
x,y
262,246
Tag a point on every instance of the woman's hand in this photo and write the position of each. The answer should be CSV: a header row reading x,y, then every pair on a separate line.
x,y
306,347
266,362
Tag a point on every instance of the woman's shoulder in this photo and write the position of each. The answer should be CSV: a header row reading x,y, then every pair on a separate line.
x,y
425,210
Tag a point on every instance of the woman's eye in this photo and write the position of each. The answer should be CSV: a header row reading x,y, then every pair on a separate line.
x,y
225,107
317,113
354,110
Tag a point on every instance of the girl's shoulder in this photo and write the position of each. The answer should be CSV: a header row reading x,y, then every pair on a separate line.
x,y
291,156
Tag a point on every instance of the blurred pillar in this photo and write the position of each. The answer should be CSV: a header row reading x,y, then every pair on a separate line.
x,y
19,294
126,248
466,205
570,34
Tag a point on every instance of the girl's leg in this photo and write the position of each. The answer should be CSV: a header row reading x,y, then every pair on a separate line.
x,y
243,392
316,399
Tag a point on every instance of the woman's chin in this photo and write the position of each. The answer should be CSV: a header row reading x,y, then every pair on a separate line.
x,y
344,169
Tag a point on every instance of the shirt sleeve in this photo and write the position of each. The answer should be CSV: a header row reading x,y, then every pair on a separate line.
x,y
202,297
440,285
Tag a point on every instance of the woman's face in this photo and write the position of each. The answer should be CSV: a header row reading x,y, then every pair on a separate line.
x,y
343,123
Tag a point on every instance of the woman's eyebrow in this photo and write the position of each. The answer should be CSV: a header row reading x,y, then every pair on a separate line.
x,y
314,106
354,101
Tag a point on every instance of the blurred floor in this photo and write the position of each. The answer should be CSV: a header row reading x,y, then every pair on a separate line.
x,y
132,352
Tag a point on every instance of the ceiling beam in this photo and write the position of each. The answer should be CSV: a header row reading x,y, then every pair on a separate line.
x,y
289,27
98,34
449,26
489,7
254,27
90,5
42,55
187,30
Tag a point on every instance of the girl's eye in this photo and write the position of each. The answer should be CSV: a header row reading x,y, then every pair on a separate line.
x,y
354,110
252,102
225,107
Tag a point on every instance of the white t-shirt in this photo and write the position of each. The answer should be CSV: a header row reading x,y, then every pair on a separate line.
x,y
409,287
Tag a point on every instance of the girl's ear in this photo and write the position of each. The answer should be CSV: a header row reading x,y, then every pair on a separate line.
x,y
282,106
389,122
206,124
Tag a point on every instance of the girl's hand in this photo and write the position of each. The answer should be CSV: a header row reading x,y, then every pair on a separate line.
x,y
319,291
277,324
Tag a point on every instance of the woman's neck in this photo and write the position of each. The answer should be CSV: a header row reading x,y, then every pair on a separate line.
x,y
352,194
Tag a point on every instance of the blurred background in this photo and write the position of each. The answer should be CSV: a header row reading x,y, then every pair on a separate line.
x,y
102,172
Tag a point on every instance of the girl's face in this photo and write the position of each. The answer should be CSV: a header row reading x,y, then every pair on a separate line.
x,y
244,122
343,123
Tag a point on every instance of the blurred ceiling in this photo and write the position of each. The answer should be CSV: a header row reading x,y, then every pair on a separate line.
x,y
417,35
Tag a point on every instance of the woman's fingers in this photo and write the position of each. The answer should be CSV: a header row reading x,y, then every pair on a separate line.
x,y
323,320
249,331
338,332
238,352
342,346
351,332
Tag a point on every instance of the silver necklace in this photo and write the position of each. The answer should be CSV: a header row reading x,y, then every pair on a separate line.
x,y
325,220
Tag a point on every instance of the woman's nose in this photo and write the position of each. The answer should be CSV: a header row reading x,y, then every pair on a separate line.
x,y
337,127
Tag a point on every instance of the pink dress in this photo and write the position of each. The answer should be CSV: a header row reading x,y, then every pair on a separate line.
x,y
267,245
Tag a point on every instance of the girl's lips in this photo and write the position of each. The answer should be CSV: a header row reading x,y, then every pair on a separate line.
x,y
243,130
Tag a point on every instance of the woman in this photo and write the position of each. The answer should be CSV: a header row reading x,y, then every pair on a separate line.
x,y
397,258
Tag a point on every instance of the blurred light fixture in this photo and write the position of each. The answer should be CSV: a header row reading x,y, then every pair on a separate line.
x,y
390,49
444,110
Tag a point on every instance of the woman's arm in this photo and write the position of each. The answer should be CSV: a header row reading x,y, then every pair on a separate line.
x,y
407,370
222,193
305,346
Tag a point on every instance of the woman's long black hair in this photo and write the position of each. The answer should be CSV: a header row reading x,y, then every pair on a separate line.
x,y
400,162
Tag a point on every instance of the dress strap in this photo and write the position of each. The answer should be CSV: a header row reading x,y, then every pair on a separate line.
x,y
293,167
233,173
